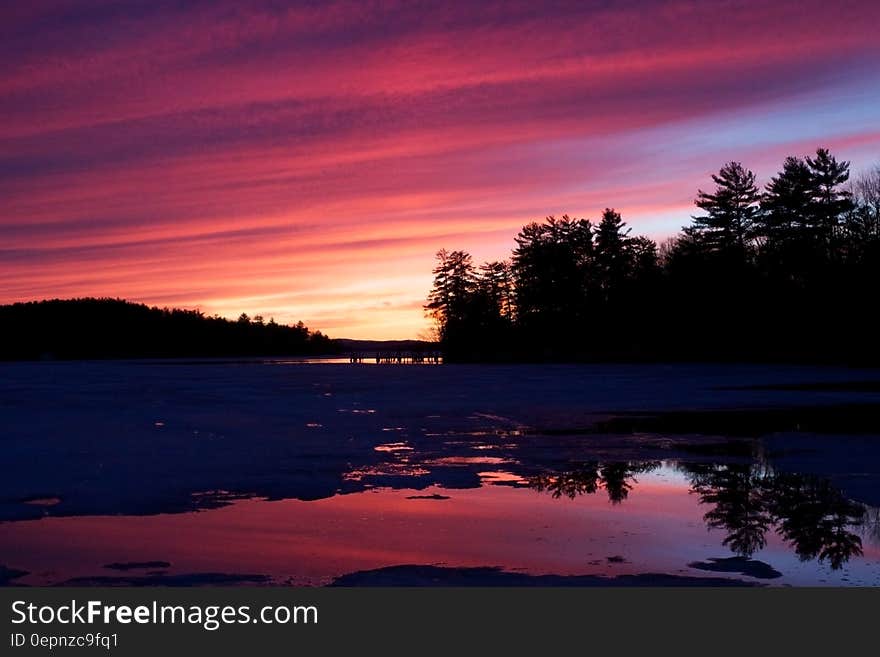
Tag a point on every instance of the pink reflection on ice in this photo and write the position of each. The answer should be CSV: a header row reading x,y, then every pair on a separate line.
x,y
659,529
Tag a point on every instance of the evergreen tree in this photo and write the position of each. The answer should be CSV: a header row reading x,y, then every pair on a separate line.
x,y
551,266
731,210
644,257
613,258
454,284
497,282
787,205
831,201
742,282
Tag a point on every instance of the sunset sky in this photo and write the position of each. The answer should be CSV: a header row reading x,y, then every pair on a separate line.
x,y
306,161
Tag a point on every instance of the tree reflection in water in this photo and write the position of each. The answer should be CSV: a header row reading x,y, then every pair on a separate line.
x,y
815,518
739,496
615,478
746,500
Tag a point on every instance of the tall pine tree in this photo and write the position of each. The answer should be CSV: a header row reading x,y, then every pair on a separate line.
x,y
787,206
831,201
612,256
731,210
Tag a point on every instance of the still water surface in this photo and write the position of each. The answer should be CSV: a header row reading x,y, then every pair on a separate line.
x,y
266,474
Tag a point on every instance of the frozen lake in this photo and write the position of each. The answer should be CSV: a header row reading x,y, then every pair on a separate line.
x,y
290,472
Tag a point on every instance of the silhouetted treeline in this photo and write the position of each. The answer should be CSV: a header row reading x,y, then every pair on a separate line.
x,y
789,272
113,328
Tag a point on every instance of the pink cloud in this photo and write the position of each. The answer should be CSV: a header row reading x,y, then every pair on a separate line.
x,y
251,159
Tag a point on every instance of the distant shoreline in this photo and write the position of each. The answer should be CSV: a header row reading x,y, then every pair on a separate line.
x,y
105,328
